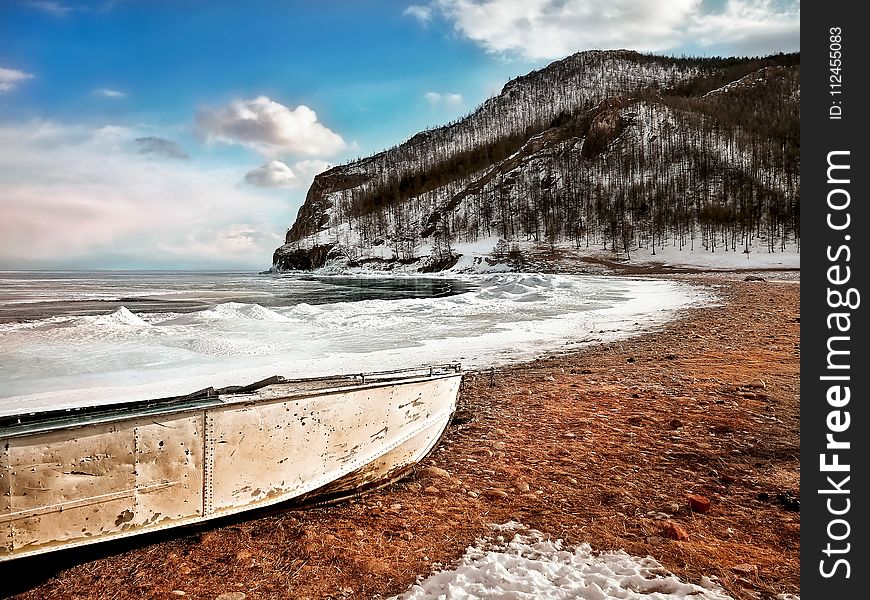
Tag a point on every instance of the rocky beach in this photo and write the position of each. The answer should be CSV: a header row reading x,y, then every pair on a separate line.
x,y
681,444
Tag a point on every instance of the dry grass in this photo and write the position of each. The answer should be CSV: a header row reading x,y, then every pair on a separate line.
x,y
595,446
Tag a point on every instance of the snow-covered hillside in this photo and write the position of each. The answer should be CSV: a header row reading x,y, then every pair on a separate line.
x,y
613,151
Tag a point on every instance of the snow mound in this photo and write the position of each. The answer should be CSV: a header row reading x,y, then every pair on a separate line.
x,y
241,311
305,309
120,318
511,286
531,567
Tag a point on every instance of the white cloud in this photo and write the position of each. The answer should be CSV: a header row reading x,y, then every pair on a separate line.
x,y
81,197
751,27
278,174
109,93
439,99
307,169
12,78
57,9
419,12
272,174
270,128
543,29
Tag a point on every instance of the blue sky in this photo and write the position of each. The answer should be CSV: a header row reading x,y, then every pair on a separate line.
x,y
159,134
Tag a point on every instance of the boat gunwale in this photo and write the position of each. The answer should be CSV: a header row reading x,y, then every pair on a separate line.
x,y
111,413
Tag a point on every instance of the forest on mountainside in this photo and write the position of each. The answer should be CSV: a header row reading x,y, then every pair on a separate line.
x,y
615,150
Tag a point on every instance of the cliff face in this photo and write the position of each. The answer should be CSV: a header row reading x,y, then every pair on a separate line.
x,y
609,149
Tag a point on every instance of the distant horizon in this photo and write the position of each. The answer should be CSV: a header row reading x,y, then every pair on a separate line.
x,y
150,138
166,270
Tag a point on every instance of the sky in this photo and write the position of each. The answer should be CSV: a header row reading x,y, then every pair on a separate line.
x,y
156,134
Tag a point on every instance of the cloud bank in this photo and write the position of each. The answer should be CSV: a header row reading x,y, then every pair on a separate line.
x,y
79,197
545,30
269,128
750,27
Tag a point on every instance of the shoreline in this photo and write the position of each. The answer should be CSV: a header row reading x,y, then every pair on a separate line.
x,y
599,445
495,319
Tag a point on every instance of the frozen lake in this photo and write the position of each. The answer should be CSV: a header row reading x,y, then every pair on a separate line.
x,y
72,339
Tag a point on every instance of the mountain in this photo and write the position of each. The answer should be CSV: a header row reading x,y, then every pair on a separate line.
x,y
604,149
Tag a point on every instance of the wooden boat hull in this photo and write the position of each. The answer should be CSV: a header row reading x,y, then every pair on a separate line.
x,y
119,475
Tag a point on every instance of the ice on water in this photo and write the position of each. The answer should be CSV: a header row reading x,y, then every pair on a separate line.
x,y
77,360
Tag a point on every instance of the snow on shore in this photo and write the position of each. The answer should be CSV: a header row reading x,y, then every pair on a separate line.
x,y
479,257
531,567
758,258
508,317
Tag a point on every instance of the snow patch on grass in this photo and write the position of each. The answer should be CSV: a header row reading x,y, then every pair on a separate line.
x,y
532,567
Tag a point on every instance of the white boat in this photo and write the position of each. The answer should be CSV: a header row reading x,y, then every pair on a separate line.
x,y
80,476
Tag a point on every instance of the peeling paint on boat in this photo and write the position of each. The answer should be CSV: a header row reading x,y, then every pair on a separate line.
x,y
119,471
